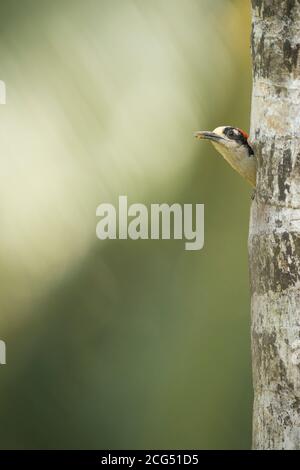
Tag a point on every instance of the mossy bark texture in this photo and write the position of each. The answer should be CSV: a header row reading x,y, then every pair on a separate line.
x,y
274,236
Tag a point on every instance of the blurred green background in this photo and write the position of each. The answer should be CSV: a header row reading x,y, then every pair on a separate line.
x,y
122,344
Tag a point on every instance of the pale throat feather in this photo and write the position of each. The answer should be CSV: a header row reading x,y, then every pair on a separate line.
x,y
240,161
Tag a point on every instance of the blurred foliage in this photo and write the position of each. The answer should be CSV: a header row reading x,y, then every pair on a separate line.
x,y
122,344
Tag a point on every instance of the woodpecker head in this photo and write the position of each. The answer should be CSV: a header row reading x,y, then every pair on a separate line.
x,y
232,144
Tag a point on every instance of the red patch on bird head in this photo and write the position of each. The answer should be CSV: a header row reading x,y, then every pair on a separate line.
x,y
244,134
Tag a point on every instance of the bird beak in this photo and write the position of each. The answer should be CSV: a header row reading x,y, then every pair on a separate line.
x,y
205,135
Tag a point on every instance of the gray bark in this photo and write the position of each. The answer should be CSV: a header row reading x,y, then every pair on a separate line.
x,y
274,237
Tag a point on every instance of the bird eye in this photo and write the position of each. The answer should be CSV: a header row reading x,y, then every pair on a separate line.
x,y
230,134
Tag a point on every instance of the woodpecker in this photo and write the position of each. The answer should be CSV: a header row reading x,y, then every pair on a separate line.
x,y
232,143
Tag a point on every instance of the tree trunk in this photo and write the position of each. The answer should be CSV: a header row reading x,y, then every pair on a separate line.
x,y
274,238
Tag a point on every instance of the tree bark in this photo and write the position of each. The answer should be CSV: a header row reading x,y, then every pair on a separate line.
x,y
274,237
